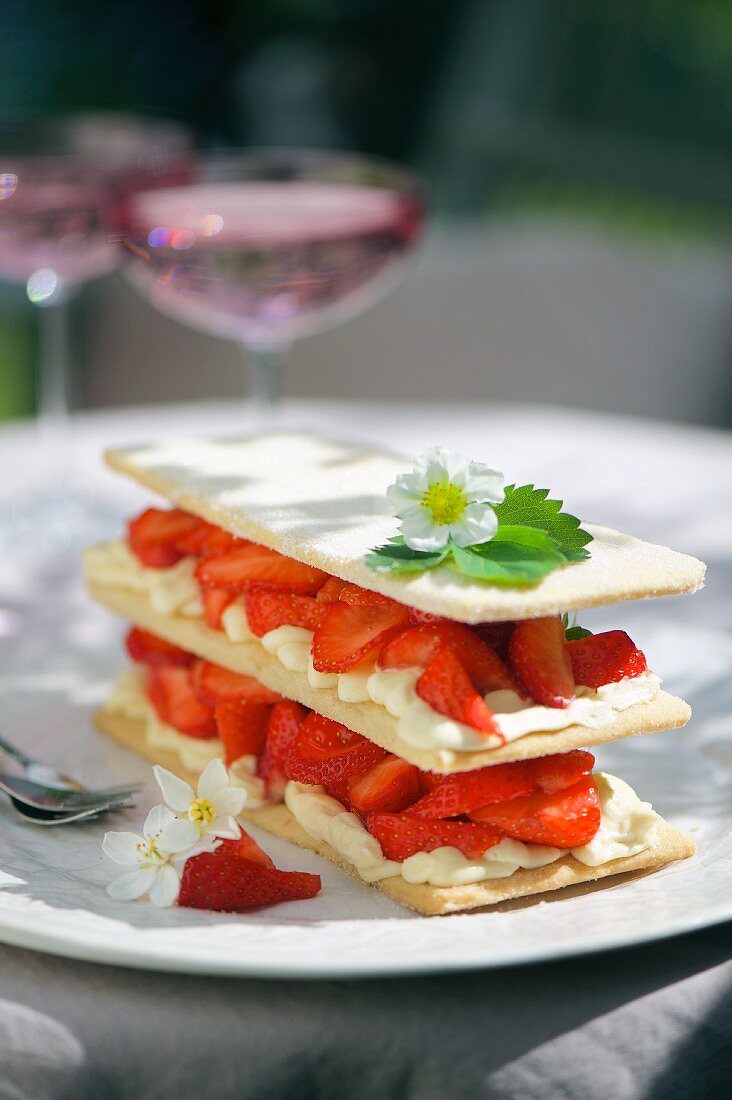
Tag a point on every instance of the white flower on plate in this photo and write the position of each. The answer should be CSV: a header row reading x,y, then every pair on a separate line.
x,y
213,808
156,857
445,498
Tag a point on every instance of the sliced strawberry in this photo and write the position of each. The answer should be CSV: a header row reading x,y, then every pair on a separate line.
x,y
153,535
268,608
242,727
249,565
171,692
401,835
447,688
327,752
463,792
605,658
362,597
215,602
147,649
420,617
331,590
248,849
351,632
539,656
208,540
567,818
388,787
285,722
215,684
421,644
224,881
497,635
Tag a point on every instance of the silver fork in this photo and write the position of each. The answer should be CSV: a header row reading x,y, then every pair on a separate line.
x,y
46,789
48,817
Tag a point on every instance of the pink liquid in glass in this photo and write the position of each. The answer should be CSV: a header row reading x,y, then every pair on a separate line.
x,y
266,263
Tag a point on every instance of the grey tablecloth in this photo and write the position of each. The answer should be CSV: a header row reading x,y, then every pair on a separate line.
x,y
654,1022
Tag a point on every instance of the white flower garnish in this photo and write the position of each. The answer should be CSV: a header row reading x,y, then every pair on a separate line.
x,y
156,857
446,497
213,808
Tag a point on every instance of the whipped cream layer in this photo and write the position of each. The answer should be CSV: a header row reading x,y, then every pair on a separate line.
x,y
174,591
628,826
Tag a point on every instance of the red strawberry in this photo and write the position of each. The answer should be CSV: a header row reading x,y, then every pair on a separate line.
x,y
148,649
215,602
225,881
361,597
463,792
419,645
565,819
388,787
285,722
331,590
171,692
215,684
326,752
153,535
207,540
350,632
268,608
249,565
420,617
539,656
242,727
605,658
401,835
446,686
248,849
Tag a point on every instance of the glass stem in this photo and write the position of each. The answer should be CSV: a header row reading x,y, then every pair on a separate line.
x,y
53,374
267,367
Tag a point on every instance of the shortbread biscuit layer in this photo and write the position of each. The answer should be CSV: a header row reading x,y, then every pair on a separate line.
x,y
665,712
671,845
323,502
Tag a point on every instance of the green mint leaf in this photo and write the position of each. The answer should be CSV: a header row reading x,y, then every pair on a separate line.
x,y
574,633
527,506
507,564
396,557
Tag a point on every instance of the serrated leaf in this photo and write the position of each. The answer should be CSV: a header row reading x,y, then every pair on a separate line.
x,y
507,564
396,557
527,506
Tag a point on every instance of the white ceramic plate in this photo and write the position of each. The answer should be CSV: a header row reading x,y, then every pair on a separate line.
x,y
52,895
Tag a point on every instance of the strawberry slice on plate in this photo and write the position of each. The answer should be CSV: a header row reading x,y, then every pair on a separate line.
x,y
327,752
268,608
421,644
215,602
248,849
352,631
242,727
252,564
454,795
283,726
447,688
228,881
170,690
567,818
153,535
388,787
215,684
148,649
402,835
539,655
605,658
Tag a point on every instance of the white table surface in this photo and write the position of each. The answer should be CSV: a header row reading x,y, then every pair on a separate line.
x,y
637,1023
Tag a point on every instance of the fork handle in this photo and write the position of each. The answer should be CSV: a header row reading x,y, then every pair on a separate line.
x,y
16,754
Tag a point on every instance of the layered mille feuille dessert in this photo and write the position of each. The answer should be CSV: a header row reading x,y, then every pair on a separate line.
x,y
389,663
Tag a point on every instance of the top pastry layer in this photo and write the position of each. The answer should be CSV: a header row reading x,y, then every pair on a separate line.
x,y
323,502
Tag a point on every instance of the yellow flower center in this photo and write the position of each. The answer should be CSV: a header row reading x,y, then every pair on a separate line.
x,y
202,812
150,852
445,501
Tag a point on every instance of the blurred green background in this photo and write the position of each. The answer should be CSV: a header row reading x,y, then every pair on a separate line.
x,y
617,113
